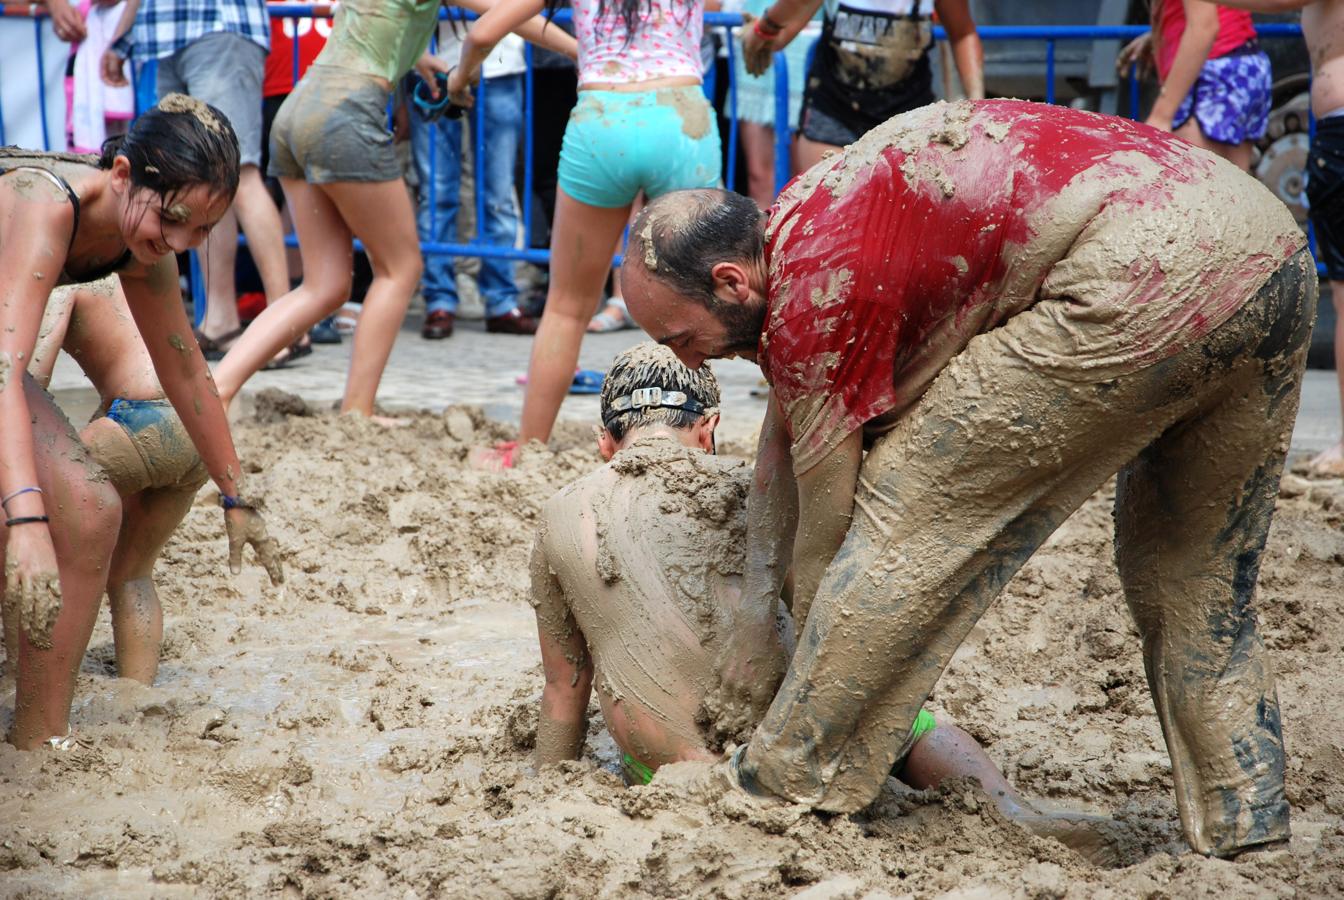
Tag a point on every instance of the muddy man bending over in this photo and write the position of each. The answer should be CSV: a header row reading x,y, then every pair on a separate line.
x,y
636,578
1004,303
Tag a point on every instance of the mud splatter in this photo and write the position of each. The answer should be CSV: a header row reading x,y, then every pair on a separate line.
x,y
181,103
690,106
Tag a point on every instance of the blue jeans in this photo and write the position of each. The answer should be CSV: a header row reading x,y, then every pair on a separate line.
x,y
440,169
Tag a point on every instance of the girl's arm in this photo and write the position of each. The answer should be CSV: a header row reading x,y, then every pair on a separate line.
x,y
1201,30
35,225
156,305
955,16
776,28
496,20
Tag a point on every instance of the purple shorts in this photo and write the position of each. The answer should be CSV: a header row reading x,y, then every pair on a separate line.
x,y
1230,99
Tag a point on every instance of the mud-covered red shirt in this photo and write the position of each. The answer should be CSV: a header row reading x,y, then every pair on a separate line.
x,y
885,260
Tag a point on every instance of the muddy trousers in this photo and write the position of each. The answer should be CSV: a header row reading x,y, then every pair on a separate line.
x,y
997,454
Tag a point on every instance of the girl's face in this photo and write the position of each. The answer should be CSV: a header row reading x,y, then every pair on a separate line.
x,y
154,226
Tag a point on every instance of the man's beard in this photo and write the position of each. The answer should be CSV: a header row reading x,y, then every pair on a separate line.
x,y
743,323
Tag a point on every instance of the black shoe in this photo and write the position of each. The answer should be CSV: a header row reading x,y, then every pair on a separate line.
x,y
512,322
324,332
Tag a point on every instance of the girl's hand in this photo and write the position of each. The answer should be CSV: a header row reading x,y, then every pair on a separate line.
x,y
460,85
758,45
427,67
1139,50
246,526
32,581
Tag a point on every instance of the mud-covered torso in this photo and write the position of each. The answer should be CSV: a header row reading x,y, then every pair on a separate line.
x,y
649,553
66,171
885,260
873,56
382,38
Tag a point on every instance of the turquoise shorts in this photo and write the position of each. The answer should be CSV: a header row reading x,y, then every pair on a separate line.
x,y
618,143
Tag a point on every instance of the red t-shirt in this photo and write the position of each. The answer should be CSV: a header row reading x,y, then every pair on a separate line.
x,y
313,34
1234,29
886,259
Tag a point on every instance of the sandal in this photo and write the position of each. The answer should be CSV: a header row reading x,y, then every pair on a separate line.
x,y
613,317
213,349
281,360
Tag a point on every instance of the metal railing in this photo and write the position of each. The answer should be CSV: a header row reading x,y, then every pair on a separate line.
x,y
726,23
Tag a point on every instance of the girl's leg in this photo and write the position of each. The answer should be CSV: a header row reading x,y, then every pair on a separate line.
x,y
581,242
324,243
758,145
1237,154
85,514
807,152
380,214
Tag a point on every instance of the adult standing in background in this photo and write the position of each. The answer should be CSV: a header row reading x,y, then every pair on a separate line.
x,y
215,50
437,148
872,62
1323,28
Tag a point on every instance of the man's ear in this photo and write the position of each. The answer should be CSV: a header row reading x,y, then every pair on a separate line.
x,y
730,281
606,445
704,432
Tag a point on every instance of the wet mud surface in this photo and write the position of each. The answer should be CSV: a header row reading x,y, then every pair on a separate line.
x,y
366,729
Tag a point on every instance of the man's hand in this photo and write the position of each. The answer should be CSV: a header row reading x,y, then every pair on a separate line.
x,y
750,667
1139,50
758,45
32,581
113,69
246,526
67,22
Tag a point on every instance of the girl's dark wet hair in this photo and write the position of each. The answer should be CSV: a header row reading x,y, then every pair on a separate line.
x,y
178,144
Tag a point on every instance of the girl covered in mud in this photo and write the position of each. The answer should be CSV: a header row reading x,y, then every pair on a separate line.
x,y
154,192
332,152
872,62
641,124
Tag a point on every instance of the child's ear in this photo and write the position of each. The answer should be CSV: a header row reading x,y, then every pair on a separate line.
x,y
606,445
704,431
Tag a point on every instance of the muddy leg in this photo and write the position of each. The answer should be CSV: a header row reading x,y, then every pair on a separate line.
x,y
84,512
1192,516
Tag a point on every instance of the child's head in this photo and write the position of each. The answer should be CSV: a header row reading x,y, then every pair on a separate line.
x,y
176,171
648,387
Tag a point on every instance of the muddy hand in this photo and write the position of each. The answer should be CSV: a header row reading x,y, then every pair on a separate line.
x,y
246,526
33,583
459,87
757,50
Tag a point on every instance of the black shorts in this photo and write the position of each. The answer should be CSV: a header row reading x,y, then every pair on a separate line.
x,y
1325,193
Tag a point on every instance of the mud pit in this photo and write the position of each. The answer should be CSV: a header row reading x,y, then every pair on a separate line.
x,y
367,728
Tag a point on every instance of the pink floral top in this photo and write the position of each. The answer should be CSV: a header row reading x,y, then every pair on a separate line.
x,y
666,44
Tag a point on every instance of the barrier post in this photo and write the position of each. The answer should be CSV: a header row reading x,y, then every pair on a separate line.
x,y
783,132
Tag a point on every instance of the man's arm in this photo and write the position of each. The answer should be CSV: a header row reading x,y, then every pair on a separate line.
x,y
825,507
563,721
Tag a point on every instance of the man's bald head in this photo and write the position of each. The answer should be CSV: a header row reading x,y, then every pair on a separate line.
x,y
679,237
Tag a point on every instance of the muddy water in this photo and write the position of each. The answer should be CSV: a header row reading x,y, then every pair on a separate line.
x,y
367,728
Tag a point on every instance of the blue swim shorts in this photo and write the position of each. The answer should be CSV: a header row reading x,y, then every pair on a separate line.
x,y
1231,98
618,143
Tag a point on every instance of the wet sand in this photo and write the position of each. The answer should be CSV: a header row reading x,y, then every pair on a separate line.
x,y
366,729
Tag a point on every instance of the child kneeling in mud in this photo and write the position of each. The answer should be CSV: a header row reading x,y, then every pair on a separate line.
x,y
636,570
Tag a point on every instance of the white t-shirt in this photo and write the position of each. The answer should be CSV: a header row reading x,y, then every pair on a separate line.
x,y
506,59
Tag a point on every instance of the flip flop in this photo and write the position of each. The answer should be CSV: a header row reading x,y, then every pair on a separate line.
x,y
587,381
296,350
607,322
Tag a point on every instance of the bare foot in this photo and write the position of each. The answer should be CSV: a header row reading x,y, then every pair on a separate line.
x,y
1328,463
1094,838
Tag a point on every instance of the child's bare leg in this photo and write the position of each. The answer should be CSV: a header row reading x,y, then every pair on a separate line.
x,y
949,752
148,520
84,512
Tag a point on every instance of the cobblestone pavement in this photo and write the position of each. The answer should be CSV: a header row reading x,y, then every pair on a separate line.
x,y
479,368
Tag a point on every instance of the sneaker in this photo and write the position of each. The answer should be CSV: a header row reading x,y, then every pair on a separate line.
x,y
324,332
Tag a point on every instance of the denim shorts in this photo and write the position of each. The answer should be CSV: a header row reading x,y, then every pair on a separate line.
x,y
618,143
333,127
1231,98
167,455
1325,193
225,70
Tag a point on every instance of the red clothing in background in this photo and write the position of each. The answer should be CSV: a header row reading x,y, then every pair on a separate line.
x,y
1234,29
313,34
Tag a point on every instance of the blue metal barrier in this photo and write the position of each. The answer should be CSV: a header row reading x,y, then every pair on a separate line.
x,y
726,23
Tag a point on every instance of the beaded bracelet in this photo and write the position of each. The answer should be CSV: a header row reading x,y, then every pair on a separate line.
x,y
24,520
23,490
